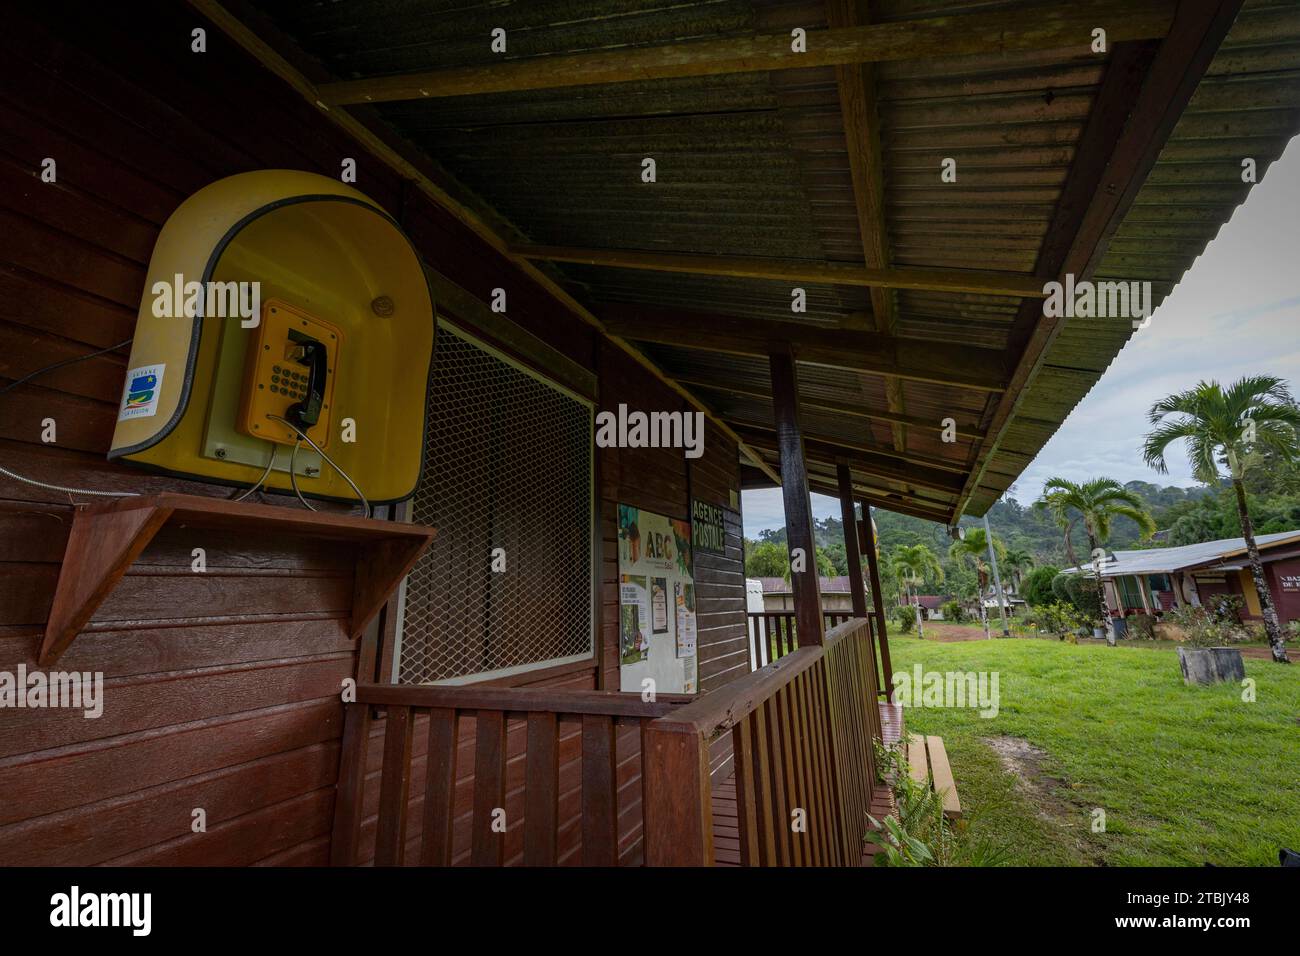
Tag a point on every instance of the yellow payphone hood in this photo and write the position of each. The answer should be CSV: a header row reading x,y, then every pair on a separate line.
x,y
325,250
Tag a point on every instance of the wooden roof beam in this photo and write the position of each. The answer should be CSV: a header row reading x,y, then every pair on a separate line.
x,y
884,468
1143,94
888,451
902,506
856,83
1030,26
879,496
958,365
854,409
788,270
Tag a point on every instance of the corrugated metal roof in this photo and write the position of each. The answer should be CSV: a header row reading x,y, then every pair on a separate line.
x,y
1165,560
757,164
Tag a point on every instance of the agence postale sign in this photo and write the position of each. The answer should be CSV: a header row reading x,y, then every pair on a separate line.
x,y
708,527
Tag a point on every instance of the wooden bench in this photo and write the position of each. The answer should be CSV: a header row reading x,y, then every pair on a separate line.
x,y
928,764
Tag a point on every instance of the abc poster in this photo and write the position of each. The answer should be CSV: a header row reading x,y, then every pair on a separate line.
x,y
656,602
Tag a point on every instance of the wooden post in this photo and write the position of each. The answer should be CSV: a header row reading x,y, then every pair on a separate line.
x,y
877,599
798,505
675,795
854,557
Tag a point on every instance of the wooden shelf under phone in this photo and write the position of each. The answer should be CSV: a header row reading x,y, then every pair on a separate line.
x,y
106,539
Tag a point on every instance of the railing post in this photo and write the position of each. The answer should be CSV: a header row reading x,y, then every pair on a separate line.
x,y
676,801
878,601
351,784
394,787
853,558
798,504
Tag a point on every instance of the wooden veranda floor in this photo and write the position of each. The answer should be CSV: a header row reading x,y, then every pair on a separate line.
x,y
726,832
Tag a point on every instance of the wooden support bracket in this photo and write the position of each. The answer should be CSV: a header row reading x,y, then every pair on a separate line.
x,y
106,539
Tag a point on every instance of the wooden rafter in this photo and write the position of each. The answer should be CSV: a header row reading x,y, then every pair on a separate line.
x,y
1143,94
1030,26
829,273
853,409
886,469
962,366
886,501
744,426
856,84
820,481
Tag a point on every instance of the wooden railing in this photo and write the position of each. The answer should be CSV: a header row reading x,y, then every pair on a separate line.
x,y
494,776
772,635
801,733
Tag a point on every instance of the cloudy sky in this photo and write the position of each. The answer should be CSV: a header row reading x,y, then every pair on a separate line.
x,y
1236,312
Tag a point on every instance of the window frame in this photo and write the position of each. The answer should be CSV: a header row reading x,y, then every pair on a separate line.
x,y
533,364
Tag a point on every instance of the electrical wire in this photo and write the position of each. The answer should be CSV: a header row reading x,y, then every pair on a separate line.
x,y
57,365
293,472
43,484
260,481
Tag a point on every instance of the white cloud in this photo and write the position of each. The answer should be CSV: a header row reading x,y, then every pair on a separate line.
x,y
1236,312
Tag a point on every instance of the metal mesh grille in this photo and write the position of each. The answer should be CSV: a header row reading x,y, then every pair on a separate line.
x,y
508,465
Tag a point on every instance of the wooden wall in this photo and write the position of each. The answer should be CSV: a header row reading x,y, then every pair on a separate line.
x,y
221,688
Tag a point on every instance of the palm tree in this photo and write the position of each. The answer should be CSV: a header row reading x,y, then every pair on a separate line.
x,y
913,564
1017,561
974,547
1097,503
1224,426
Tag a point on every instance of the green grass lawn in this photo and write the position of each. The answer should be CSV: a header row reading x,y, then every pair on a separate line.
x,y
1185,775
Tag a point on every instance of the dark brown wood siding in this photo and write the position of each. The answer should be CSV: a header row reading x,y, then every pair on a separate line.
x,y
222,689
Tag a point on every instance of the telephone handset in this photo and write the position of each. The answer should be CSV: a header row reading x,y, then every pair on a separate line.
x,y
312,354
290,373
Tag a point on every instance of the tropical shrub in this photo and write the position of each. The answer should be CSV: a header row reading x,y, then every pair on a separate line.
x,y
1141,627
1079,591
1037,587
905,618
1059,618
1206,628
1227,608
953,611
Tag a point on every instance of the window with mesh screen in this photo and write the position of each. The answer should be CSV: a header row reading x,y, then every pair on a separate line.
x,y
508,464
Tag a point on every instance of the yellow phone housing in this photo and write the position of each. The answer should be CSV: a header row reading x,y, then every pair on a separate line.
x,y
274,381
323,252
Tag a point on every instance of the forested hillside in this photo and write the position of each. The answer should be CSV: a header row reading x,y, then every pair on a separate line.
x,y
1187,515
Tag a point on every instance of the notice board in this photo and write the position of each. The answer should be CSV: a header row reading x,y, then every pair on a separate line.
x,y
656,603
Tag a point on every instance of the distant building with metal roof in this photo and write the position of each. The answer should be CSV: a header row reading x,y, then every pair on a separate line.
x,y
1153,580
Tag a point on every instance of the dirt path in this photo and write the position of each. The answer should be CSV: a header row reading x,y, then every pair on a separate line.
x,y
946,633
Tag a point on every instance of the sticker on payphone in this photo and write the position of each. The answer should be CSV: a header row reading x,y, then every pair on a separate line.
x,y
140,394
